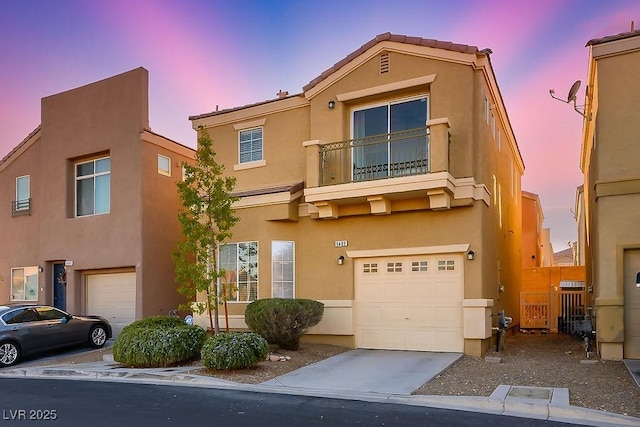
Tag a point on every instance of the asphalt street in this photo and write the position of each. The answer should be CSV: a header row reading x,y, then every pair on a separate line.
x,y
91,403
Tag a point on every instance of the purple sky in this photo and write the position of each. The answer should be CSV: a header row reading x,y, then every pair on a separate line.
x,y
203,53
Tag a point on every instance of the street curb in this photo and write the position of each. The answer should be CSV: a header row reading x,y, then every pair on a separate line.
x,y
524,408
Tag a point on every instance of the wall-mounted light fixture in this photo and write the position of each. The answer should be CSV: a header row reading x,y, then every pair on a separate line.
x,y
471,255
500,288
331,104
340,260
40,269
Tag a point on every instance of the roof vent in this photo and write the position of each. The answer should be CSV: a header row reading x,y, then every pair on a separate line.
x,y
384,63
282,94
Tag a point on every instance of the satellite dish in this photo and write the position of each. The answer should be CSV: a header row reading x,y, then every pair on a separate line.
x,y
573,91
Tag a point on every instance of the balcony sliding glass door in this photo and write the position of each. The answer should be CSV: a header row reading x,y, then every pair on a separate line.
x,y
389,140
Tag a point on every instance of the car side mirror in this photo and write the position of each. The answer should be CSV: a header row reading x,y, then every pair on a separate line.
x,y
65,319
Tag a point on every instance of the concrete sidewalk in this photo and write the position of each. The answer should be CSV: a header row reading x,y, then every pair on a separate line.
x,y
365,375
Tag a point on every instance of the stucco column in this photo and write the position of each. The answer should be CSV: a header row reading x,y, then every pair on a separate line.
x,y
439,144
610,327
312,150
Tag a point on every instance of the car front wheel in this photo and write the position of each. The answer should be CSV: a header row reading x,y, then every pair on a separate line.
x,y
9,353
97,336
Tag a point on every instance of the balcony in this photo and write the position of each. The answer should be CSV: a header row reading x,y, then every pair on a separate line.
x,y
375,157
406,170
21,207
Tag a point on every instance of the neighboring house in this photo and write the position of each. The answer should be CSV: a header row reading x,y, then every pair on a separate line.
x,y
609,161
389,190
532,231
565,258
89,199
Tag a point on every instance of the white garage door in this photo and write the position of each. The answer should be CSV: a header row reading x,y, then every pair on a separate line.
x,y
112,296
410,303
631,305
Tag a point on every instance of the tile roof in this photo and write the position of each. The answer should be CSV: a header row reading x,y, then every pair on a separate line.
x,y
418,41
615,37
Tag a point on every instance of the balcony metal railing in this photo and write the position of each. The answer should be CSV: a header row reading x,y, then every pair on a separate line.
x,y
375,157
21,207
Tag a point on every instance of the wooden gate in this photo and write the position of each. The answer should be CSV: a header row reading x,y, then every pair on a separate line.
x,y
534,310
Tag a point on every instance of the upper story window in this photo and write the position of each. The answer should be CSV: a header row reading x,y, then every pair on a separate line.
x,y
250,145
22,203
390,139
486,109
164,165
93,187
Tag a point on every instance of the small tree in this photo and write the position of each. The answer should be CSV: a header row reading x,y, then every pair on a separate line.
x,y
206,218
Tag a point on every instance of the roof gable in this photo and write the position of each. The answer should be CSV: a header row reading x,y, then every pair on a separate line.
x,y
396,38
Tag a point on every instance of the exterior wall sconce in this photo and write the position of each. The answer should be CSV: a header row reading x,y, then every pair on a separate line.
x,y
40,269
340,260
501,288
471,255
331,104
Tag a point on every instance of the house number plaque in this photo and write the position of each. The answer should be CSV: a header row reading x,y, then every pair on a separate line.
x,y
341,243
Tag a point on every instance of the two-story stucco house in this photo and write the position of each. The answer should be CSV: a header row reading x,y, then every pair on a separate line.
x,y
389,190
89,206
611,192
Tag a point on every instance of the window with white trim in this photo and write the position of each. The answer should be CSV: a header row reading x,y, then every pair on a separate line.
x,y
446,265
486,109
164,165
24,284
93,187
493,125
370,267
394,267
250,145
419,266
282,269
239,263
23,192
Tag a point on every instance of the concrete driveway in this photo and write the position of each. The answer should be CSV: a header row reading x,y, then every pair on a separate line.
x,y
377,371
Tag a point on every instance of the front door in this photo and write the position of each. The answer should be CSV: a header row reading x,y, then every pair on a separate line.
x,y
59,286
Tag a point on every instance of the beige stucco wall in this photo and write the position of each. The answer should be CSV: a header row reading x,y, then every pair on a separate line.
x,y
455,88
612,182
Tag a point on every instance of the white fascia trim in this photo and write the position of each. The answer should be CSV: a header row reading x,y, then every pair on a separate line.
x,y
424,250
375,90
266,200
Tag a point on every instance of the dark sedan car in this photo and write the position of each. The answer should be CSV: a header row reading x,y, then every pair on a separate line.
x,y
31,329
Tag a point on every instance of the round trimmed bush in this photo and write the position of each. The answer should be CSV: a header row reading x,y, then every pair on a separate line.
x,y
234,350
158,341
283,321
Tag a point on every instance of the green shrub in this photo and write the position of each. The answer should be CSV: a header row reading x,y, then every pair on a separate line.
x,y
283,321
158,342
234,350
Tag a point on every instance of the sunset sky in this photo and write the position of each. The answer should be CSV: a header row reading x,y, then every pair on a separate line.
x,y
206,53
